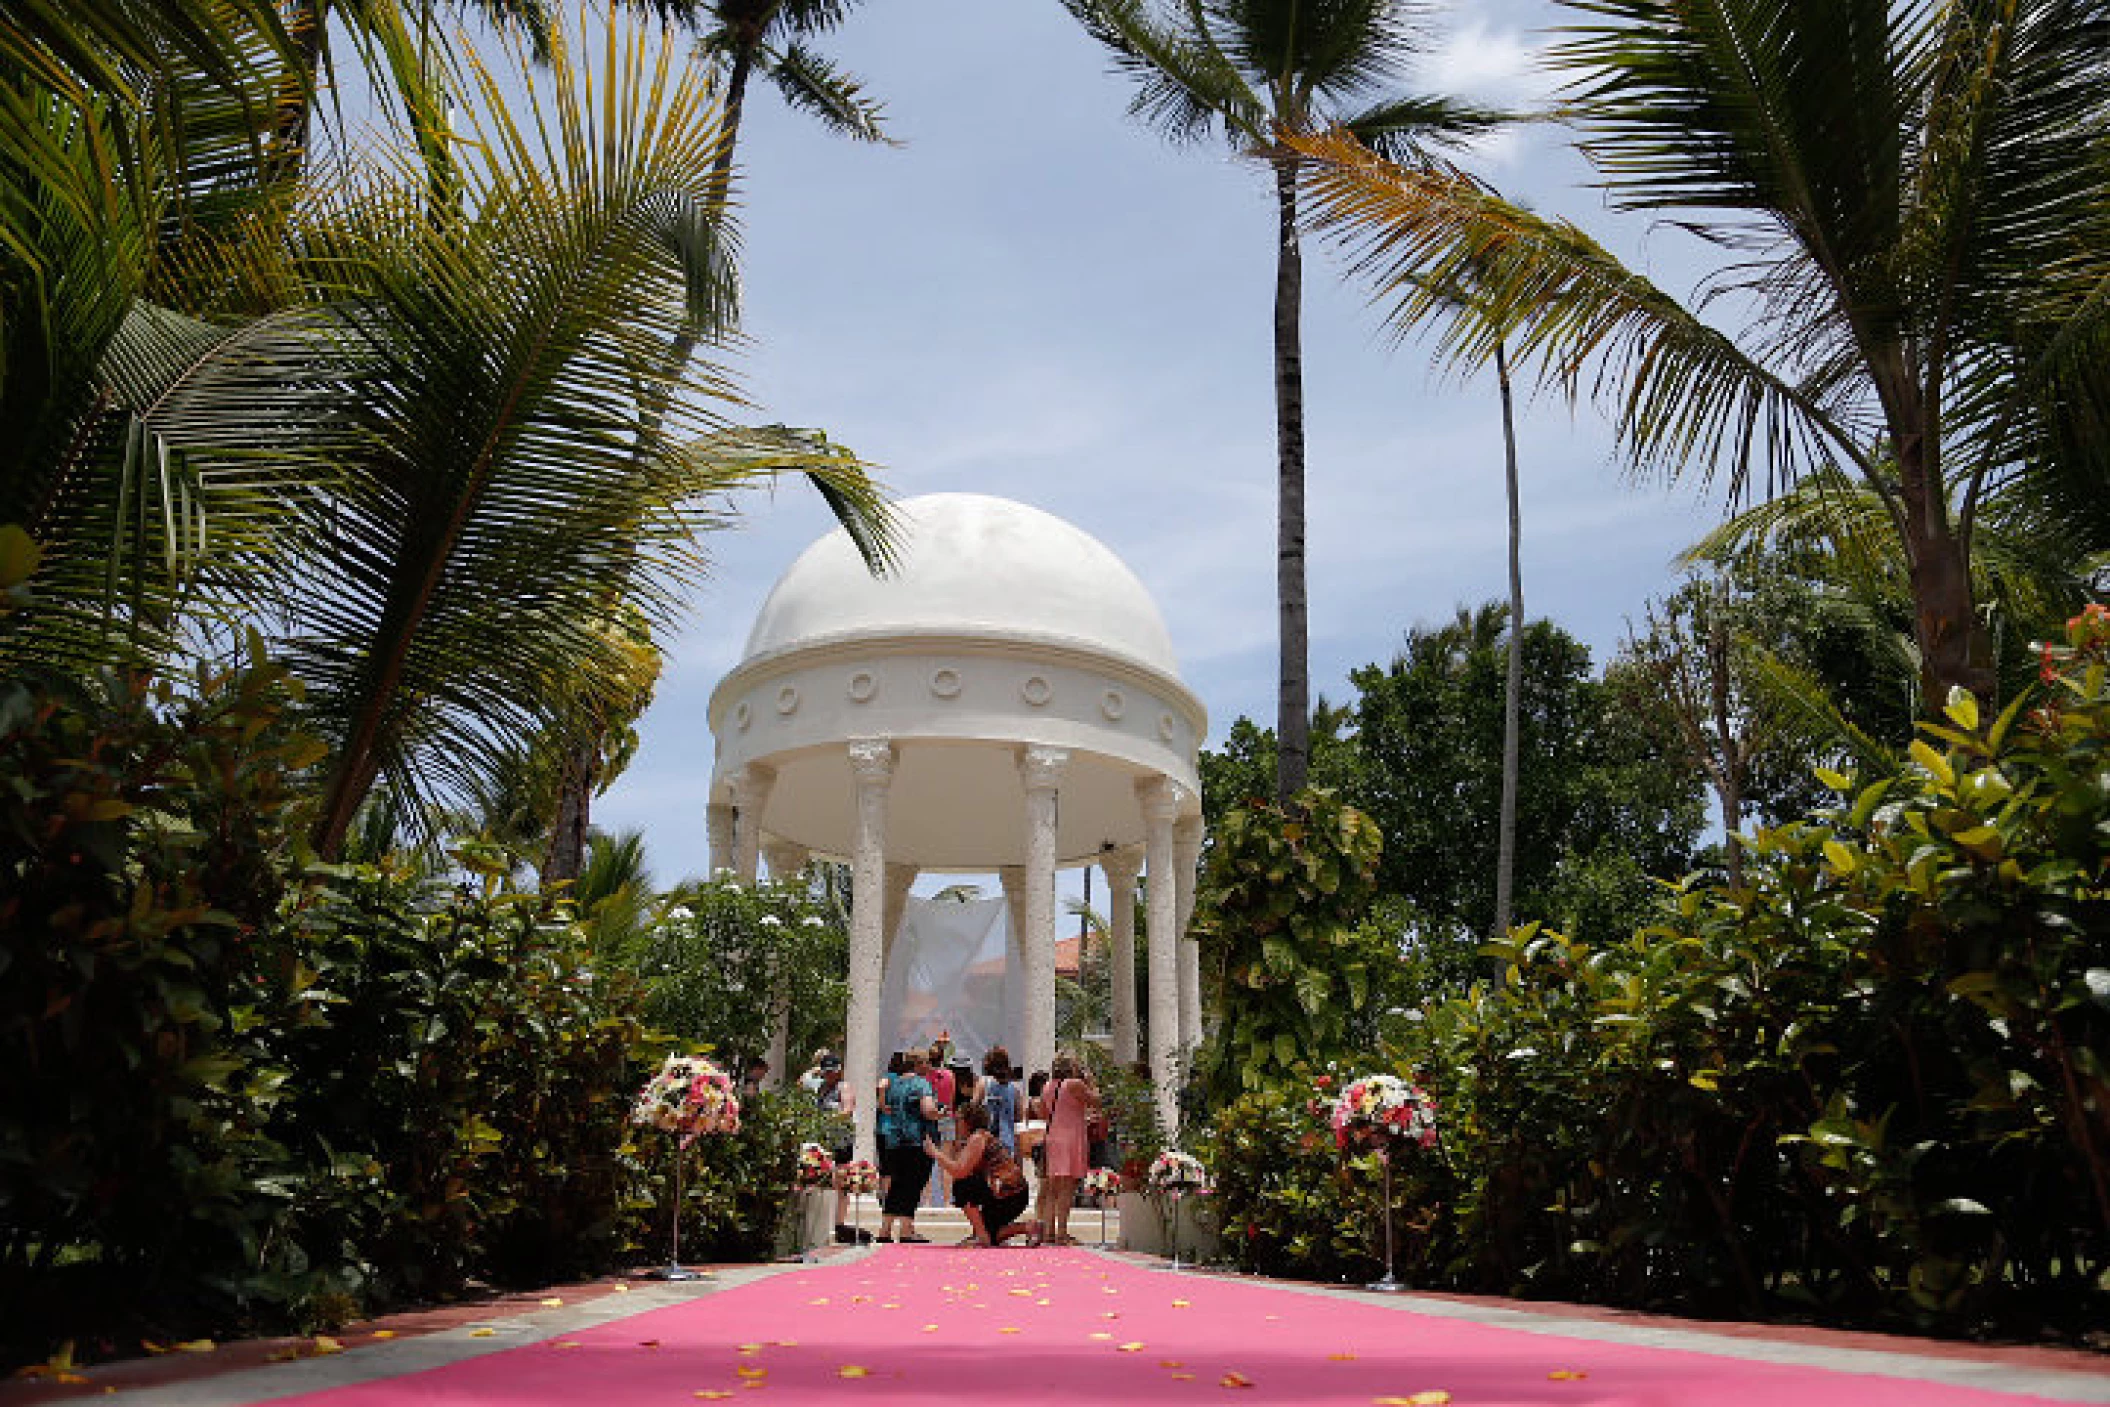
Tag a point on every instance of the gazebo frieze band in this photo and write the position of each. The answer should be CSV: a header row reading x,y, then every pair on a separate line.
x,y
1006,701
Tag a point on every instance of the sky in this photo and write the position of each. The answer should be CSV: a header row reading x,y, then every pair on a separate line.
x,y
1034,296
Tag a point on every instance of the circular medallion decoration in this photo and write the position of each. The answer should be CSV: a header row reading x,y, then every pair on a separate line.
x,y
742,715
1166,726
1113,705
1036,690
946,683
788,700
863,685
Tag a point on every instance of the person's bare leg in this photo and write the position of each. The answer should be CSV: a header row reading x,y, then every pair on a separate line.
x,y
981,1229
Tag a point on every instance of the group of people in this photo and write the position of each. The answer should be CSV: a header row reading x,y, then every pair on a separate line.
x,y
980,1130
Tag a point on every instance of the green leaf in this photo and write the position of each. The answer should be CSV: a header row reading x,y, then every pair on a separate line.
x,y
1962,708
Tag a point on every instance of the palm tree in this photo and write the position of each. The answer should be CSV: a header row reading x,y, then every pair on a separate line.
x,y
1920,210
749,37
1252,69
1513,692
515,499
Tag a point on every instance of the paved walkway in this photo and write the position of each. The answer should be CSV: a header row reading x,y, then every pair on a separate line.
x,y
1018,1327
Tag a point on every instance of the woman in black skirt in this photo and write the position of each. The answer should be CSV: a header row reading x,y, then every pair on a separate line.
x,y
988,1183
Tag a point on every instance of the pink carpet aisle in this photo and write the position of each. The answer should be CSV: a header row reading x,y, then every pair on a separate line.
x,y
1008,1328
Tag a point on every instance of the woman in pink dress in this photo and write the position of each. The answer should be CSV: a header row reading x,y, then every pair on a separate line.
x,y
1070,1101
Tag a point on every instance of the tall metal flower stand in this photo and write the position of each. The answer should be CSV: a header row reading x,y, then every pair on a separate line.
x,y
1172,1232
674,1269
1103,1199
1391,1284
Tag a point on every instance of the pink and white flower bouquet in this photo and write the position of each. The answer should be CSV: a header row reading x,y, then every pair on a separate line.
x,y
1384,1109
1102,1182
1179,1173
859,1176
690,1096
816,1168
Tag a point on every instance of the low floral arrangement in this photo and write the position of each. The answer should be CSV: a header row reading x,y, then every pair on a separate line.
x,y
1384,1109
1178,1173
689,1096
1102,1182
816,1168
859,1176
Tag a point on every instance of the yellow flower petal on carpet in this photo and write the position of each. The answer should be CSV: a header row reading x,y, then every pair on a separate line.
x,y
1567,1375
1342,1357
1180,1304
748,1370
712,1394
851,1370
1008,1329
384,1333
484,1333
197,1346
750,1349
323,1343
1235,1380
1136,1347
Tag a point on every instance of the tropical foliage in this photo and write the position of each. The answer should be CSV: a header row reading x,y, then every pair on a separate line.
x,y
1916,203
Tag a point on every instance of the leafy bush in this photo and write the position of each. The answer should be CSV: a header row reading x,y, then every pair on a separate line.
x,y
711,963
146,836
460,1090
1872,1083
1291,1203
1279,912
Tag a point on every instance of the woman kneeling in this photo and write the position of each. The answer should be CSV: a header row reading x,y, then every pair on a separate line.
x,y
988,1184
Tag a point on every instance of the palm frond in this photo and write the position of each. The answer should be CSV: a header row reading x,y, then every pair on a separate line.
x,y
817,87
1685,397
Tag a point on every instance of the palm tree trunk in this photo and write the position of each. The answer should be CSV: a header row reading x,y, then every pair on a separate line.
x,y
582,764
1953,652
1293,705
1729,788
293,122
1512,699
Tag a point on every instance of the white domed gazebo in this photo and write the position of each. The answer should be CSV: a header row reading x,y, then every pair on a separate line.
x,y
1006,700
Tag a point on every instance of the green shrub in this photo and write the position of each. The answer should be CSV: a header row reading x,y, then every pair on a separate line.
x,y
460,1089
146,836
1280,912
1290,1203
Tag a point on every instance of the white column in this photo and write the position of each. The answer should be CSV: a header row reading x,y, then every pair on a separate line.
x,y
872,768
1161,806
1041,769
785,860
1013,878
1186,854
718,818
899,880
1121,868
751,788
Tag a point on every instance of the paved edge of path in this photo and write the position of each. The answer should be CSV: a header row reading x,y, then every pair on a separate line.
x,y
2065,1385
376,1362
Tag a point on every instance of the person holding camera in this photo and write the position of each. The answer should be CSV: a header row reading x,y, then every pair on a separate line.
x,y
988,1183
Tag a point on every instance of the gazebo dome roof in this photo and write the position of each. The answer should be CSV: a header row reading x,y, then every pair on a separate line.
x,y
972,566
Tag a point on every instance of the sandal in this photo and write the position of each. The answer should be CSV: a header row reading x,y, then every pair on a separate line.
x,y
913,1240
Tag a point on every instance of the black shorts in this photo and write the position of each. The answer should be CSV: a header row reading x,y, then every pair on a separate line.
x,y
997,1212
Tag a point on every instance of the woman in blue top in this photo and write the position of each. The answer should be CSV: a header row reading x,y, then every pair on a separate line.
x,y
912,1117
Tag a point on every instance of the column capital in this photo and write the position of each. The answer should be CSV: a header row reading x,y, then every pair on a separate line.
x,y
1041,767
1161,798
872,761
751,781
1122,867
1187,830
1011,877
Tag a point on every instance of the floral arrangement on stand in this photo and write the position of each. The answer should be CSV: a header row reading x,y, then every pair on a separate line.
x,y
1386,1113
1180,1174
1176,1176
1102,1183
1378,1110
690,1096
816,1168
860,1178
